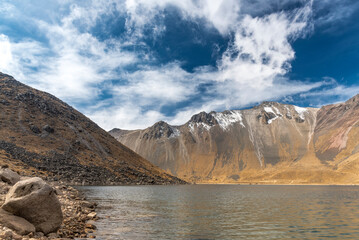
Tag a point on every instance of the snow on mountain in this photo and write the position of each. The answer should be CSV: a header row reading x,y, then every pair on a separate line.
x,y
228,118
300,111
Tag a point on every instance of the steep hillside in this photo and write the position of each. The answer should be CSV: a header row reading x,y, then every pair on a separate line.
x,y
336,136
270,143
40,134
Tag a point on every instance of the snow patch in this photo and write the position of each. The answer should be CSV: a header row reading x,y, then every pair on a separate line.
x,y
272,119
191,127
300,111
276,112
269,110
176,133
226,119
207,127
198,125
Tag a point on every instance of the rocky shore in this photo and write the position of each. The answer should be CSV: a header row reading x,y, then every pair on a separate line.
x,y
76,219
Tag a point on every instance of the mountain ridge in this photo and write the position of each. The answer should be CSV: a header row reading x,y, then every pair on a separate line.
x,y
269,143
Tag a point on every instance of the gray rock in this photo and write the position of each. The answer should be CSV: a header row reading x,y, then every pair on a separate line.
x,y
8,176
53,236
35,129
48,129
18,224
36,201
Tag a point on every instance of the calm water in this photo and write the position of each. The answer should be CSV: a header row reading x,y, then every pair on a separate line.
x,y
226,212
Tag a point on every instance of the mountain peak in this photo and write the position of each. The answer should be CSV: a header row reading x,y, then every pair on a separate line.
x,y
352,100
267,104
161,129
160,124
203,117
116,132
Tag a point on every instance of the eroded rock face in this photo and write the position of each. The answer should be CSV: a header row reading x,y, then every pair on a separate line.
x,y
9,176
36,201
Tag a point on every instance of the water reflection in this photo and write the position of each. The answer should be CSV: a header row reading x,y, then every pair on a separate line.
x,y
226,212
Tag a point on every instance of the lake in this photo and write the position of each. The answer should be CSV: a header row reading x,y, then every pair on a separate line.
x,y
226,212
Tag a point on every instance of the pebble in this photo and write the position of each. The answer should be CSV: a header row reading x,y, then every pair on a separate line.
x,y
92,215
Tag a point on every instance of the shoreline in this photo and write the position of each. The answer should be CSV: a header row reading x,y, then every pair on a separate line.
x,y
243,184
280,184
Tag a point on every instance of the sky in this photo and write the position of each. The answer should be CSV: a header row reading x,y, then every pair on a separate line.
x,y
130,63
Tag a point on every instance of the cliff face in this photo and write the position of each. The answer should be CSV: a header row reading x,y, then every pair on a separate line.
x,y
270,143
40,133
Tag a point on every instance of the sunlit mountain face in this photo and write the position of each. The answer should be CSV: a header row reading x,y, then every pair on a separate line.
x,y
270,143
129,64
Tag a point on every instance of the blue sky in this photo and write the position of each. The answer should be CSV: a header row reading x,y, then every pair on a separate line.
x,y
131,63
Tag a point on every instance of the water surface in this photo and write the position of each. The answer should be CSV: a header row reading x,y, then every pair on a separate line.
x,y
226,212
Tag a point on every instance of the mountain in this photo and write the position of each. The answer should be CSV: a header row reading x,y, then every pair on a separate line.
x,y
40,134
271,143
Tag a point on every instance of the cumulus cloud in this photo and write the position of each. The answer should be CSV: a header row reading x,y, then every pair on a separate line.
x,y
125,115
18,57
5,52
222,14
73,62
165,84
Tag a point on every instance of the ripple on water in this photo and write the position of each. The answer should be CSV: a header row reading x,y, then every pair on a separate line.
x,y
226,212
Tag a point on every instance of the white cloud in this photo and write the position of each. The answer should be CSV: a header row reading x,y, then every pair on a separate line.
x,y
333,89
223,15
166,84
18,57
125,116
72,63
5,52
6,8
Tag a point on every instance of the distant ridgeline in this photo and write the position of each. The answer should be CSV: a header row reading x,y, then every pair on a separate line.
x,y
271,143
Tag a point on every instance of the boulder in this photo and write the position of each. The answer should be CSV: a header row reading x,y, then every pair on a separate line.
x,y
8,176
35,129
48,129
18,224
36,201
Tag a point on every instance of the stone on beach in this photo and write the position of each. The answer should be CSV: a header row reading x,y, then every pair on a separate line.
x,y
36,201
19,224
92,215
9,176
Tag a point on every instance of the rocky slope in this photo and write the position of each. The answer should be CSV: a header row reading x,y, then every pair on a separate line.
x,y
271,143
41,135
